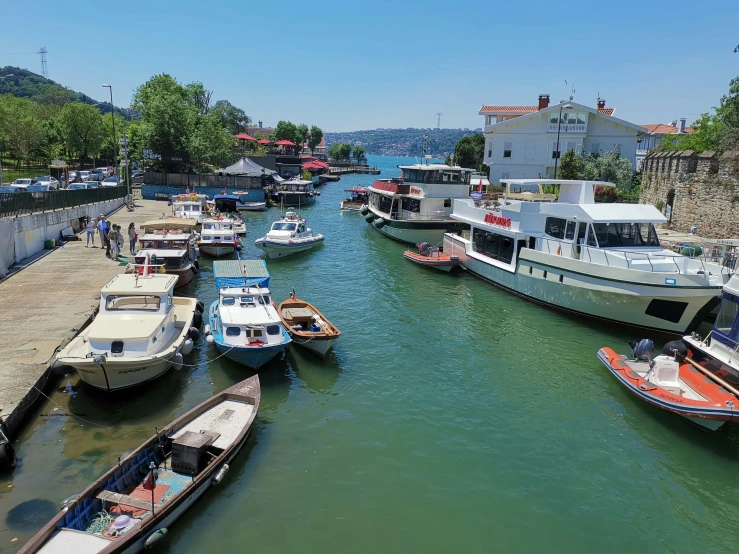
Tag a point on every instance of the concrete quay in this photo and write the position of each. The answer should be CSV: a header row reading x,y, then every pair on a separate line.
x,y
46,303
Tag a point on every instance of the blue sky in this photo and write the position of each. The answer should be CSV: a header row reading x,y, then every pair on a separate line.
x,y
361,65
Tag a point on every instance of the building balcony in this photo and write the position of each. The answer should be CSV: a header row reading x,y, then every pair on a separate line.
x,y
489,128
566,128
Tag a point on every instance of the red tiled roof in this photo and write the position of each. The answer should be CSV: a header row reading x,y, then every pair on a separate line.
x,y
528,109
662,129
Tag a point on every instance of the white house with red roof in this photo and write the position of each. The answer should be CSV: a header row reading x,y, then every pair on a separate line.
x,y
655,133
521,141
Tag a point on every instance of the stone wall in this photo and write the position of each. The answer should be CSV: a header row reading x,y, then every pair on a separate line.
x,y
692,189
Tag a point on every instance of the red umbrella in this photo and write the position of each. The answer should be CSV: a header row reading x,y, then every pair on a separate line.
x,y
284,143
312,165
263,141
244,136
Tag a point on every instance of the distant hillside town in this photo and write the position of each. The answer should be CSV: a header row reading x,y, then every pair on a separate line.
x,y
403,142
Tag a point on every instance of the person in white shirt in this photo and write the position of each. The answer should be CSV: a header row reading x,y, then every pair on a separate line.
x,y
90,228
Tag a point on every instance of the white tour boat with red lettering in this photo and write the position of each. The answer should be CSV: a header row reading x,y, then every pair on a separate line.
x,y
599,260
417,206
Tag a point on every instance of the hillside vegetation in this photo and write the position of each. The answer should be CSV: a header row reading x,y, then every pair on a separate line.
x,y
401,142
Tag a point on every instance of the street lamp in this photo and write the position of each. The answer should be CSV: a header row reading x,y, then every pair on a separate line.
x,y
567,107
112,119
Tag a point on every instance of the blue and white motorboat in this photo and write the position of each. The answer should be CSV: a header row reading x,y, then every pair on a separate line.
x,y
244,323
288,235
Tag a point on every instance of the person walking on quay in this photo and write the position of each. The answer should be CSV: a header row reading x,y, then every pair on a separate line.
x,y
100,226
105,235
132,238
121,240
90,228
113,241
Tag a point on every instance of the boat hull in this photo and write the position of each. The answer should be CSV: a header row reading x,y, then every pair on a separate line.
x,y
275,249
708,415
415,232
252,206
217,250
317,346
251,357
184,276
351,206
292,200
442,263
623,302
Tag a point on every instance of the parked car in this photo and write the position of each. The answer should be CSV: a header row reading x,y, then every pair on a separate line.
x,y
11,190
48,180
79,186
38,190
112,181
85,175
22,183
104,171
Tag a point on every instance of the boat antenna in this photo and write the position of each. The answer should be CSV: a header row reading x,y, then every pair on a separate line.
x,y
243,272
261,295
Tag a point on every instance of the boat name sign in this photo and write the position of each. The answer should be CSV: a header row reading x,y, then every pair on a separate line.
x,y
416,190
498,220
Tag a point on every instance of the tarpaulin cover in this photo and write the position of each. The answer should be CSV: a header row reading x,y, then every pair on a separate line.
x,y
247,167
240,273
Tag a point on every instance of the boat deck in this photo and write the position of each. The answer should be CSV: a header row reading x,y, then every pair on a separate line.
x,y
227,418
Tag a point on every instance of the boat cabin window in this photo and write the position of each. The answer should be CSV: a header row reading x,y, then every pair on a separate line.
x,y
228,301
570,230
555,227
254,333
148,244
726,329
233,331
273,330
519,188
411,205
282,226
581,233
247,301
384,203
142,302
263,299
612,235
591,237
173,263
185,208
301,228
493,245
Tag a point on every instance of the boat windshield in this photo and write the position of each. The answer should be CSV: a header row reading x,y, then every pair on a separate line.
x,y
726,329
132,302
616,235
280,226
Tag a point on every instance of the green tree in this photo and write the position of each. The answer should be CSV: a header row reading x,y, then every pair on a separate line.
x,y
358,153
470,151
334,151
20,127
285,130
315,137
570,167
82,128
198,97
232,118
211,143
301,135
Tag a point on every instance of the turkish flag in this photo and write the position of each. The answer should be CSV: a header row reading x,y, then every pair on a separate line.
x,y
151,481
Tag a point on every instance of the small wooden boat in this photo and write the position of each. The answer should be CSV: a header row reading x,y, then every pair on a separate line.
x,y
307,326
676,387
431,256
356,198
131,506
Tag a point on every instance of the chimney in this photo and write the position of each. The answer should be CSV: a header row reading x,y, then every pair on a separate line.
x,y
682,126
260,123
543,101
601,103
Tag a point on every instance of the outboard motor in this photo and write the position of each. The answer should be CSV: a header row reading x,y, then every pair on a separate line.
x,y
642,350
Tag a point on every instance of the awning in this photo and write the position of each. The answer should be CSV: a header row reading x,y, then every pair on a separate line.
x,y
244,136
284,143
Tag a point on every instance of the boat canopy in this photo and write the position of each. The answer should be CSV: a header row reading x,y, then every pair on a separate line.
x,y
246,166
126,283
170,223
240,273
603,213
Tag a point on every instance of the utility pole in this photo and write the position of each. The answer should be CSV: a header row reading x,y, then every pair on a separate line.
x,y
438,119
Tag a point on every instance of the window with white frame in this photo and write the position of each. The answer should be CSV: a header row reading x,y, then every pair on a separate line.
x,y
508,149
571,145
595,148
555,150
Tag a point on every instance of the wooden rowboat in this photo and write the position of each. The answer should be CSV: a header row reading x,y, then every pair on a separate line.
x,y
431,256
675,387
307,326
130,507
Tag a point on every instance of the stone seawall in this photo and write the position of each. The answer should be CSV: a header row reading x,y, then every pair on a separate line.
x,y
694,190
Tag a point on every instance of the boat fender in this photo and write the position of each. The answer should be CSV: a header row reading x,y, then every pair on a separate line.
x,y
156,537
177,360
200,306
220,474
318,193
187,347
238,248
369,217
67,503
194,270
380,222
364,210
207,329
194,333
196,264
209,339
59,369
670,347
197,321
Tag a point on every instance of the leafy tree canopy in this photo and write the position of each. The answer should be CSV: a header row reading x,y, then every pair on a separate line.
x,y
82,128
470,151
232,118
301,135
285,130
358,153
315,137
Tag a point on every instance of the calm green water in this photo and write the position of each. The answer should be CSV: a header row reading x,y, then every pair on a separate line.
x,y
451,417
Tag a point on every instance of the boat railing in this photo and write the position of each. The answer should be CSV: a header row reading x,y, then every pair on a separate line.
x,y
406,215
655,262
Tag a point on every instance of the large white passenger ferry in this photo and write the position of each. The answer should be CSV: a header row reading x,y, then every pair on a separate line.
x,y
599,260
417,206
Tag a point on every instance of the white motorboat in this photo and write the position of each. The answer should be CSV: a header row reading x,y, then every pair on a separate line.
x,y
217,237
288,235
417,206
244,203
598,260
189,206
239,226
141,330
